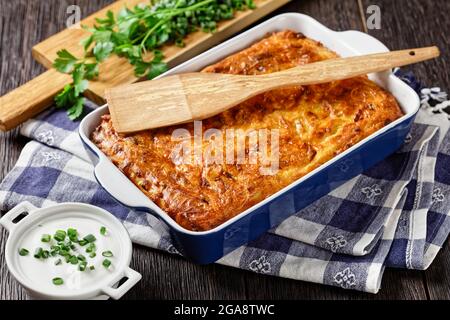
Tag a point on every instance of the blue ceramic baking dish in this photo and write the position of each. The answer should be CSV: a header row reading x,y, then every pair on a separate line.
x,y
209,246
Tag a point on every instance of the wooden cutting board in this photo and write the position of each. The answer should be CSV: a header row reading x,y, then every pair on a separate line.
x,y
26,101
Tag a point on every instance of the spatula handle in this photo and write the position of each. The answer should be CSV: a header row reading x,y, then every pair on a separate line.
x,y
344,68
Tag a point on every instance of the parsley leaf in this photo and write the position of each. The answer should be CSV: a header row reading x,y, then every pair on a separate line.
x,y
102,35
91,71
65,97
86,42
80,87
158,56
156,69
109,21
78,73
75,111
65,61
102,50
141,67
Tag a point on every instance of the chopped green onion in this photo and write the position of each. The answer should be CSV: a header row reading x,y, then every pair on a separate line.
x,y
82,266
73,234
60,235
107,253
58,281
91,248
63,246
23,252
73,260
106,263
90,238
38,253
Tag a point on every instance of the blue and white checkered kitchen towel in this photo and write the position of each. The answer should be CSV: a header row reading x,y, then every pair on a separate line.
x,y
394,215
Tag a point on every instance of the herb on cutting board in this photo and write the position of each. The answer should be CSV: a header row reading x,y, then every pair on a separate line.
x,y
136,34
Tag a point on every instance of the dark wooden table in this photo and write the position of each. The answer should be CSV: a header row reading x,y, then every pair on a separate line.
x,y
404,24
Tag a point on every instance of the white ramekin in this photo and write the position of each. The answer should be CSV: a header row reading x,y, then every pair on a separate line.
x,y
106,286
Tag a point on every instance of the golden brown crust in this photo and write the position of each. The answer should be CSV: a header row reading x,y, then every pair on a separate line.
x,y
315,123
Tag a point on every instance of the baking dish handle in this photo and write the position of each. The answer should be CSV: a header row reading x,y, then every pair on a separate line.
x,y
359,41
7,221
132,276
120,187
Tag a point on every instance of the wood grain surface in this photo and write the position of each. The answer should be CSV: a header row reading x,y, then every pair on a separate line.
x,y
405,24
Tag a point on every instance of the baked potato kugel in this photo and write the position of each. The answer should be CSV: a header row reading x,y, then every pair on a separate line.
x,y
315,123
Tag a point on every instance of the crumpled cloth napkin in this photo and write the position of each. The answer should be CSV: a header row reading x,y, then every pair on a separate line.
x,y
394,215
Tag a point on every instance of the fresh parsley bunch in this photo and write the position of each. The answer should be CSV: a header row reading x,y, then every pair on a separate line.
x,y
136,34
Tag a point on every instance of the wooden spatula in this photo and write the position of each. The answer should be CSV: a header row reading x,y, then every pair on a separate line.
x,y
195,96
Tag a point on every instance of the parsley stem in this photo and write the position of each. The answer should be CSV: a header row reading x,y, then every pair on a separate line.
x,y
149,32
197,5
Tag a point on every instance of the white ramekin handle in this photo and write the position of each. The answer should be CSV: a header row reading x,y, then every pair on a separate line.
x,y
132,276
7,220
